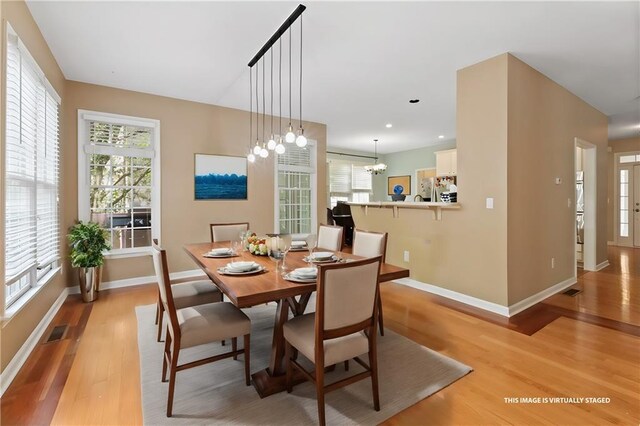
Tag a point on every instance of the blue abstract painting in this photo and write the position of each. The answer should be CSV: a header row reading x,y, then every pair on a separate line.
x,y
220,177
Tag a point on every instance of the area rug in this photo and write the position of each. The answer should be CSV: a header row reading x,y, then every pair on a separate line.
x,y
216,393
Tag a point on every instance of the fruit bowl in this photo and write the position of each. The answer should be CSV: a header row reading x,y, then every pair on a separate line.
x,y
257,245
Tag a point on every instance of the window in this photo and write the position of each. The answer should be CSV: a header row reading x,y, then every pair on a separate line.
x,y
32,226
624,203
118,178
296,190
629,159
348,181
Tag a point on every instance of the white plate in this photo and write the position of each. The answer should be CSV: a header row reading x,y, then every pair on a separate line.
x,y
329,260
219,251
225,271
218,256
322,255
294,279
241,266
298,244
305,273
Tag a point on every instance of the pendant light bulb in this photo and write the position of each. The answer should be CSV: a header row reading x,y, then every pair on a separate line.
x,y
256,149
280,148
271,145
290,137
264,153
251,157
301,140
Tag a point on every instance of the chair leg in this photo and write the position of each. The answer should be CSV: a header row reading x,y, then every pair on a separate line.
x,y
380,321
320,393
346,365
373,364
167,351
234,346
288,353
247,358
157,311
160,318
172,378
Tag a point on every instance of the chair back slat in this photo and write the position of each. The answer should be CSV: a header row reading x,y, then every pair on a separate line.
x,y
370,244
227,231
164,286
347,293
330,237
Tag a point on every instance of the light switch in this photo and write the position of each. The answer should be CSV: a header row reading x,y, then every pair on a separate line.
x,y
489,203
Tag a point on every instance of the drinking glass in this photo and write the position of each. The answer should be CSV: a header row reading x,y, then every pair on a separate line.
x,y
275,250
244,236
312,242
285,245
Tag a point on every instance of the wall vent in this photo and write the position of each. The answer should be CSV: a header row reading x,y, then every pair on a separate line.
x,y
571,292
57,333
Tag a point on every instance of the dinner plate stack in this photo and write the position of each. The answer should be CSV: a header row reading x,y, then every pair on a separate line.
x,y
321,256
303,275
298,245
220,252
239,267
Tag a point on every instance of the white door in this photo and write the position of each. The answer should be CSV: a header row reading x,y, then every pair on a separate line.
x,y
626,213
636,205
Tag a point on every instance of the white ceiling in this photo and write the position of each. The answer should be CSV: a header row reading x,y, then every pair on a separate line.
x,y
363,61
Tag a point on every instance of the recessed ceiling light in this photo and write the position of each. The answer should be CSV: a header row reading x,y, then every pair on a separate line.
x,y
441,137
414,101
389,125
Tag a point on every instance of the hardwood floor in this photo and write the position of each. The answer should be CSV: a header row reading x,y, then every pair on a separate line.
x,y
571,347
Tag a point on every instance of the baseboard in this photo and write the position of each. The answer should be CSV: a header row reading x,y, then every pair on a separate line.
x,y
18,360
454,295
601,266
128,282
611,243
540,296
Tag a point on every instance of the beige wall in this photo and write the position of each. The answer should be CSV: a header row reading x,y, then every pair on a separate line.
x,y
466,251
186,128
616,146
516,133
17,329
544,120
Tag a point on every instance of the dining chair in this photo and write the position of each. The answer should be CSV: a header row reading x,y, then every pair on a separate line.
x,y
371,244
342,328
227,231
195,326
330,237
185,294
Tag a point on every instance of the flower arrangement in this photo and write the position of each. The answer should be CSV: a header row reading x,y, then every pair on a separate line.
x,y
257,245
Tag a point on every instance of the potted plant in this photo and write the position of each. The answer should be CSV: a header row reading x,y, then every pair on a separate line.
x,y
88,242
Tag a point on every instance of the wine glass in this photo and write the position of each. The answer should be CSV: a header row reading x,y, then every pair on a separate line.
x,y
275,250
285,245
312,242
244,236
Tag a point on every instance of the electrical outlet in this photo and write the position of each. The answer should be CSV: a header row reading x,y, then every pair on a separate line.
x,y
553,262
489,203
406,256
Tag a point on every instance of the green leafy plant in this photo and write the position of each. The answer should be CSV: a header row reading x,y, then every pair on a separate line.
x,y
88,242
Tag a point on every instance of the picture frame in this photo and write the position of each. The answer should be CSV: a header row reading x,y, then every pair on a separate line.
x,y
405,181
219,177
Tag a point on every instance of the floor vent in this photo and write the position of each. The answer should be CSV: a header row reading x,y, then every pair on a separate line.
x,y
57,333
572,292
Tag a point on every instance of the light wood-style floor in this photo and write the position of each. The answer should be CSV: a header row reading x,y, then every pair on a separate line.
x,y
566,358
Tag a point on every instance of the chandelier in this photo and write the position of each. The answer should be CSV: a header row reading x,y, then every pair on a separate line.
x,y
274,142
377,168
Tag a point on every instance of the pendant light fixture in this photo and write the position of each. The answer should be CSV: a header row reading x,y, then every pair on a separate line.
x,y
263,149
251,156
377,168
301,140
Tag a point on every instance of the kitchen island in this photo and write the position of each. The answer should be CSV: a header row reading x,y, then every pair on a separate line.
x,y
436,208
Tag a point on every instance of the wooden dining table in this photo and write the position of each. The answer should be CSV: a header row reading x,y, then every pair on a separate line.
x,y
249,290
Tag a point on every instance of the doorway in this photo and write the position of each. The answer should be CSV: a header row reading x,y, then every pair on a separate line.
x,y
627,204
585,203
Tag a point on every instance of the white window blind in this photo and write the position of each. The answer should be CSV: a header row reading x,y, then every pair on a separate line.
x,y
348,181
31,172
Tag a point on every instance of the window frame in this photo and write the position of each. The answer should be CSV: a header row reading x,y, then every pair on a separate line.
x,y
37,276
84,175
313,171
352,192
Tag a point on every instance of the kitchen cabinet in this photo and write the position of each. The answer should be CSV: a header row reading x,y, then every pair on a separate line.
x,y
447,162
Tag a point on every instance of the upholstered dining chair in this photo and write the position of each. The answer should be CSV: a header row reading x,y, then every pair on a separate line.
x,y
195,326
227,231
185,294
330,237
371,244
342,328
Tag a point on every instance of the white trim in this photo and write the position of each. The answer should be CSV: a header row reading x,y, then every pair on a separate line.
x,y
129,282
602,265
24,299
589,167
616,198
540,296
485,305
18,360
454,295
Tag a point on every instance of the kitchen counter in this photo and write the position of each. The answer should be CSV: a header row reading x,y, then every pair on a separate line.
x,y
436,208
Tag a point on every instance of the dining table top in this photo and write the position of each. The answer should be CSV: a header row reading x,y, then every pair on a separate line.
x,y
267,286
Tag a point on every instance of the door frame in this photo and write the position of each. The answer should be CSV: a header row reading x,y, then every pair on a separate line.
x,y
590,204
616,193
